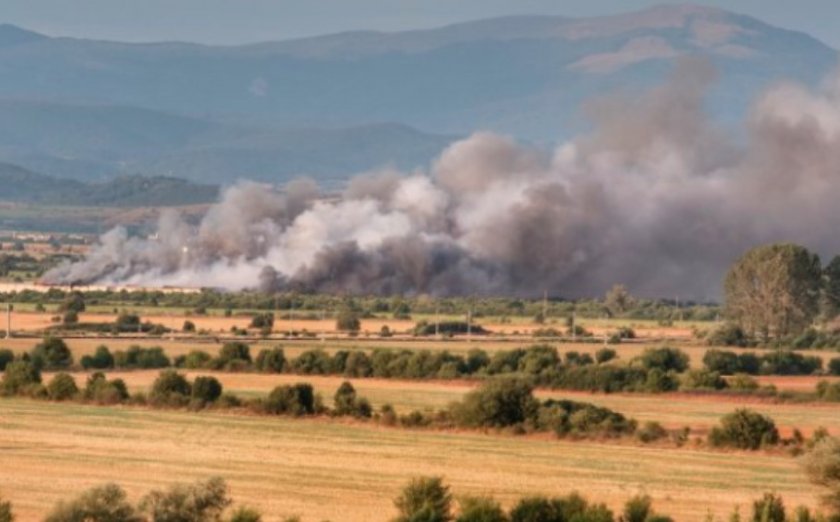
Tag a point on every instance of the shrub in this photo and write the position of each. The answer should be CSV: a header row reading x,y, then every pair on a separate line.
x,y
728,335
658,380
52,354
605,355
347,403
497,403
137,357
665,359
189,327
62,387
787,362
357,364
572,507
6,356
206,390
100,360
723,362
103,391
822,464
651,431
702,380
170,388
195,360
348,320
101,504
234,355
480,509
271,361
637,509
70,317
265,320
744,429
313,362
245,514
297,399
769,508
18,376
199,502
6,513
828,391
833,365
424,499
742,382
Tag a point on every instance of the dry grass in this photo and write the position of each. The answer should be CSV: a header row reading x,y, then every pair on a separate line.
x,y
674,410
351,472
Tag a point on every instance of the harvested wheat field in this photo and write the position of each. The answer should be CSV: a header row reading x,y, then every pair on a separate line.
x,y
326,470
674,410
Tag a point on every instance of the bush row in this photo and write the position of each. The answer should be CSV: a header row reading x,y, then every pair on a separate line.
x,y
423,499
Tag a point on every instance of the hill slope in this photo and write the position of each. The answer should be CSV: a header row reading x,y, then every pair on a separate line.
x,y
24,186
521,75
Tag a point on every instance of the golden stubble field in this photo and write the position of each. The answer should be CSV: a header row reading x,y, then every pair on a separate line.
x,y
350,472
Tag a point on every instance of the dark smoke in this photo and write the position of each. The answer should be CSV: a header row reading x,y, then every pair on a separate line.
x,y
657,197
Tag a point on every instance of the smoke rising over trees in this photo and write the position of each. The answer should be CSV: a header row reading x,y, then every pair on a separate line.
x,y
656,196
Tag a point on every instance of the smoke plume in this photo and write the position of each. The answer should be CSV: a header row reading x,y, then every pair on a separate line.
x,y
656,196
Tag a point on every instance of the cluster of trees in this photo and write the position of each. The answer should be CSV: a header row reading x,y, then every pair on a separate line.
x,y
617,303
510,402
777,291
771,363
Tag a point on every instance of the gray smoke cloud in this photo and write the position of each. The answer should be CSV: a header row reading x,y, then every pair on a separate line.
x,y
656,196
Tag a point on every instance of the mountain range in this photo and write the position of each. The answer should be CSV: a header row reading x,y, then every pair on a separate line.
x,y
334,105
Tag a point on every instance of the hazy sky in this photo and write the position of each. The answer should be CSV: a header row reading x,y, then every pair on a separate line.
x,y
242,21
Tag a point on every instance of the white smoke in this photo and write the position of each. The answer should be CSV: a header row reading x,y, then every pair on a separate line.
x,y
656,197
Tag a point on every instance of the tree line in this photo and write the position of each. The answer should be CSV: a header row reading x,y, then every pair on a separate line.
x,y
656,370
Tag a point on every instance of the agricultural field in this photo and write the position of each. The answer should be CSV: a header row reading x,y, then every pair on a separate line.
x,y
349,471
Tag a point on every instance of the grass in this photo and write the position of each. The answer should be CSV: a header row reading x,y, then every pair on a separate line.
x,y
351,472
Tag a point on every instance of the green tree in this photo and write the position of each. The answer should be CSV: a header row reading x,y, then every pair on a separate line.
x,y
745,429
424,499
271,361
170,386
774,290
101,504
19,375
100,360
831,289
206,389
52,354
497,403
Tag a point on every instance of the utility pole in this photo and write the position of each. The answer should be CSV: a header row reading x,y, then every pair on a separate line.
x,y
8,320
469,324
545,307
437,320
291,312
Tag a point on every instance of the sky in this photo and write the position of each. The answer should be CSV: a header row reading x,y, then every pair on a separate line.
x,y
228,22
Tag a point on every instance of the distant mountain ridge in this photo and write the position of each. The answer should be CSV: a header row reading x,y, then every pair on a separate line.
x,y
20,185
330,106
